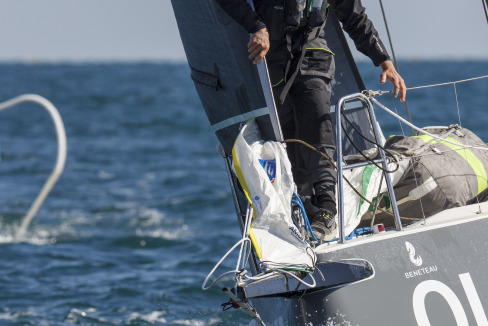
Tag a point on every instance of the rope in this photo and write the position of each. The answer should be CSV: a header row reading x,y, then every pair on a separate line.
x,y
345,179
371,142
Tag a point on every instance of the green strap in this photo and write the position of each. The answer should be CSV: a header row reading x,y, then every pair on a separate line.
x,y
311,3
367,172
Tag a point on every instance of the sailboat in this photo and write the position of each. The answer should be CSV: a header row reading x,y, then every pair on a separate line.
x,y
422,271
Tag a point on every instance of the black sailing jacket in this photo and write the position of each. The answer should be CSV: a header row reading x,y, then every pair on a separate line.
x,y
318,58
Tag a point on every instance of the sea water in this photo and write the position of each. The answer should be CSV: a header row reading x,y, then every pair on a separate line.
x,y
143,210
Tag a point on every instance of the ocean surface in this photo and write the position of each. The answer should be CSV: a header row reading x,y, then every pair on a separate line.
x,y
143,210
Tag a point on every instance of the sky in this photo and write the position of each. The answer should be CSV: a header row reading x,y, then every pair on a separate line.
x,y
146,30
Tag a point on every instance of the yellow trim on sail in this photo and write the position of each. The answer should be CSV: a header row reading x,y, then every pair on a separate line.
x,y
475,163
468,155
425,138
247,193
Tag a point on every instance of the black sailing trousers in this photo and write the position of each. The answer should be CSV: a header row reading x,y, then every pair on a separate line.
x,y
305,115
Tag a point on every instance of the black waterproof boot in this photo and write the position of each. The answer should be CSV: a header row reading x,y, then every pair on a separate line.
x,y
324,226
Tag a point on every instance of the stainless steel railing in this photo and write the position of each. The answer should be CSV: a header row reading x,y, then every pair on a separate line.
x,y
341,165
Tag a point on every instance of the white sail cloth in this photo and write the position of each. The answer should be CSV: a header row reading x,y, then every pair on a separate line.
x,y
264,172
367,181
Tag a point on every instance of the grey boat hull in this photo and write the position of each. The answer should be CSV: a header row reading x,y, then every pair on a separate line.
x,y
433,274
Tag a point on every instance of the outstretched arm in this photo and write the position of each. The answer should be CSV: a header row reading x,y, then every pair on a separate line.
x,y
356,23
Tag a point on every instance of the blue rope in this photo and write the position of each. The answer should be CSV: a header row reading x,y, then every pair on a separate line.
x,y
308,227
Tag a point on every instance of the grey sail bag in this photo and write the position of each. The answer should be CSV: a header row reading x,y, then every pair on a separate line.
x,y
440,174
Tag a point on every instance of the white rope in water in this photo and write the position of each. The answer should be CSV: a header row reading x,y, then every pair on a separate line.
x,y
61,156
423,131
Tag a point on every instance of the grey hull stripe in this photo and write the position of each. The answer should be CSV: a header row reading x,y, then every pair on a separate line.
x,y
240,118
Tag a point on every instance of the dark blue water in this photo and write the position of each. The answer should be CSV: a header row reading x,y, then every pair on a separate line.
x,y
143,210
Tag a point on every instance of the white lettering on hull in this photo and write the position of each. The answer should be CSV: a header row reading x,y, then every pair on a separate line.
x,y
451,298
474,299
421,271
435,286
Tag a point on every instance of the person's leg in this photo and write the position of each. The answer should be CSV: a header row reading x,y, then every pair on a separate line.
x,y
311,99
286,115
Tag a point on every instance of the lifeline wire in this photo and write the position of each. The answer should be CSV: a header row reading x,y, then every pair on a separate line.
x,y
433,85
421,130
457,105
372,94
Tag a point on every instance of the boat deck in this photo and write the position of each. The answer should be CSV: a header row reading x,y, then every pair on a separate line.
x,y
453,216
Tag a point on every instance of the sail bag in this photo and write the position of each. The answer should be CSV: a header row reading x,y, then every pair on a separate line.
x,y
440,174
264,173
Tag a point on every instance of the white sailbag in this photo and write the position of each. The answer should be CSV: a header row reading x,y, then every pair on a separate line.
x,y
264,172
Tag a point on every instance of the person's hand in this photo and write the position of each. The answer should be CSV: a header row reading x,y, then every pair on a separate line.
x,y
258,45
389,73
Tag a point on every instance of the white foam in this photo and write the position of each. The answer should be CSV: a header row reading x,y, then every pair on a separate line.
x,y
167,234
153,317
194,322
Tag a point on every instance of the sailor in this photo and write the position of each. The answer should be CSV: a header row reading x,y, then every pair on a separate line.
x,y
290,34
